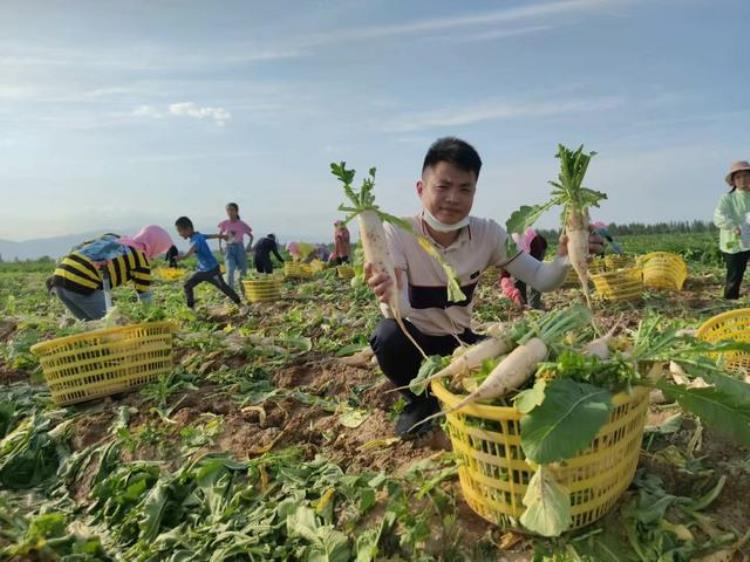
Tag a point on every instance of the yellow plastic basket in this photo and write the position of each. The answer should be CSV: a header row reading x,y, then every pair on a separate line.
x,y
105,362
597,265
262,290
735,326
663,270
494,473
316,266
615,261
619,285
296,270
170,273
345,271
571,278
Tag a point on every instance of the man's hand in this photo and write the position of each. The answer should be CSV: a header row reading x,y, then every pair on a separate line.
x,y
596,245
380,283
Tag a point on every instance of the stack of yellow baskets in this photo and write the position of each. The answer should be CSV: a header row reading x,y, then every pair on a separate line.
x,y
345,271
615,261
494,473
105,362
735,326
266,288
297,270
619,285
663,270
616,278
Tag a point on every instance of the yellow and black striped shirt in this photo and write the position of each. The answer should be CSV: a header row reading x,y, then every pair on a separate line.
x,y
78,273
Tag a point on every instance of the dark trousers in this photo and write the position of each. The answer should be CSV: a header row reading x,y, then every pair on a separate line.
x,y
400,360
214,277
342,260
263,264
736,265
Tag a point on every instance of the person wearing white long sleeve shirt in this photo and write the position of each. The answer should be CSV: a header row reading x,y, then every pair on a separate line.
x,y
732,216
470,245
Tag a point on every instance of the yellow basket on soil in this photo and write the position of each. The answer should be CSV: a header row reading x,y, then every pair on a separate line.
x,y
663,270
266,289
615,261
619,285
597,265
105,362
494,473
733,325
316,266
296,270
345,271
170,273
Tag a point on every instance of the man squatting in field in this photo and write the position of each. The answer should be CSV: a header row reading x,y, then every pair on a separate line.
x,y
470,245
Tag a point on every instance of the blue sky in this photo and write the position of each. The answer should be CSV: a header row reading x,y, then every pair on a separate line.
x,y
117,114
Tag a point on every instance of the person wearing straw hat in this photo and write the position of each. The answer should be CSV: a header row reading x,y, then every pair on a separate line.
x,y
732,216
82,278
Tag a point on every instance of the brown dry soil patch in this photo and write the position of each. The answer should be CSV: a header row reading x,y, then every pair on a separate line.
x,y
9,375
316,428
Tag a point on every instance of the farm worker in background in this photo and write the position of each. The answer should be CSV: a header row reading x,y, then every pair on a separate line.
x,y
300,251
263,250
732,216
208,267
601,229
293,249
78,279
535,245
322,253
342,247
470,245
236,255
171,256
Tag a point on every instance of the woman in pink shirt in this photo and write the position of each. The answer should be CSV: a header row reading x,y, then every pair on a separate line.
x,y
236,255
342,246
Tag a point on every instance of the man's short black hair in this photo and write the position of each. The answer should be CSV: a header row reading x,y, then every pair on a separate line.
x,y
184,222
454,151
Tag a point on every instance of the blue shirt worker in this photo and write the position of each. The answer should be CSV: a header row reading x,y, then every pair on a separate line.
x,y
208,270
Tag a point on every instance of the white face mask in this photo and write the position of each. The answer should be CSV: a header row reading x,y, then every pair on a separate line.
x,y
435,224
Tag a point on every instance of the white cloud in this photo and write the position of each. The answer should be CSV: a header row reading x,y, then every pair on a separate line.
x,y
506,15
503,33
456,116
219,115
147,111
190,109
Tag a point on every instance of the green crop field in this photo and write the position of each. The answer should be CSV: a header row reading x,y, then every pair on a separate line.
x,y
272,439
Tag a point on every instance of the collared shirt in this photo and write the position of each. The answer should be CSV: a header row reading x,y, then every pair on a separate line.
x,y
479,245
204,255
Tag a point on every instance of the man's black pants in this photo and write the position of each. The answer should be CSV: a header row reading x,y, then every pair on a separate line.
x,y
263,264
400,360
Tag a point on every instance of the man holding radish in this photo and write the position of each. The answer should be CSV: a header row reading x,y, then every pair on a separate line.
x,y
469,245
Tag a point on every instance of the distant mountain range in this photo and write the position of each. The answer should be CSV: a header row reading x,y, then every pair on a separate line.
x,y
32,249
58,246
